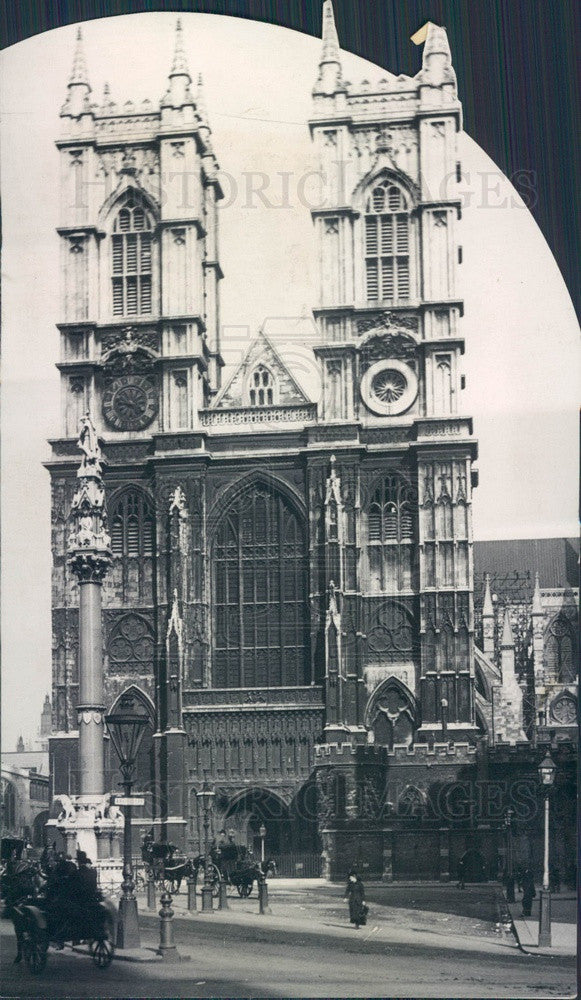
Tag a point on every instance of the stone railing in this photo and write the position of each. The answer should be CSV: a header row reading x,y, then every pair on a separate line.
x,y
250,697
259,415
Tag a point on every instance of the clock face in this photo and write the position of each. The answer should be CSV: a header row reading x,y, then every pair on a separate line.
x,y
130,402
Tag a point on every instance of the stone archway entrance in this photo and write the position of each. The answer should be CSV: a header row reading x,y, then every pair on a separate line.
x,y
251,809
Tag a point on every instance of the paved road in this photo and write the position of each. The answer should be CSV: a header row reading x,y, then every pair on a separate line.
x,y
361,964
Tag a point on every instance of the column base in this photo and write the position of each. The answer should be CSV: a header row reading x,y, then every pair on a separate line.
x,y
128,925
207,899
545,919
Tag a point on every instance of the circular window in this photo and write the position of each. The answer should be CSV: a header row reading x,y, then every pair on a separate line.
x,y
389,387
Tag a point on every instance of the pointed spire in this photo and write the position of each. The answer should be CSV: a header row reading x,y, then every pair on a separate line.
x,y
78,87
330,78
178,93
487,607
330,53
180,64
507,636
79,74
537,608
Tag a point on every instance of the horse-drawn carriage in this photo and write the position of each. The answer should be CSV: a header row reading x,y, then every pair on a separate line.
x,y
230,864
56,907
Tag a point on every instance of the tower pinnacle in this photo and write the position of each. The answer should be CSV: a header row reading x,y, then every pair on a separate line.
x,y
79,74
436,57
201,107
180,64
507,636
178,92
330,78
78,87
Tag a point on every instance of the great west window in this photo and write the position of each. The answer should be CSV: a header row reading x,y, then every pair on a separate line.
x,y
259,594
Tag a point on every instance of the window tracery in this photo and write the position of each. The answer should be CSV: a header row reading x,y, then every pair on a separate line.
x,y
261,387
561,649
132,530
391,519
387,243
259,593
131,253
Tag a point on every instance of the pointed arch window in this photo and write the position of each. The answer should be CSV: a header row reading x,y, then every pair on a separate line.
x,y
261,387
561,650
132,530
392,717
259,560
387,243
391,534
131,259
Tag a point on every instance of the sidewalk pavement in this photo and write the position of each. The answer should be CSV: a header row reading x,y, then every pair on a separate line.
x,y
306,912
563,934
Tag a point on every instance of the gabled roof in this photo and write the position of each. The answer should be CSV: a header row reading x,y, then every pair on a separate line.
x,y
261,351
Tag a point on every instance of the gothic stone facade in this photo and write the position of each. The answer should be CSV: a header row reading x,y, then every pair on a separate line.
x,y
292,590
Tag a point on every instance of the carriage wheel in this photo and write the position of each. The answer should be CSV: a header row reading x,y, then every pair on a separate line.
x,y
35,946
244,889
102,953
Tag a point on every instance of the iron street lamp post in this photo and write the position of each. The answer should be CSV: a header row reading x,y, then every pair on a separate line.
x,y
262,832
509,866
206,795
126,730
547,770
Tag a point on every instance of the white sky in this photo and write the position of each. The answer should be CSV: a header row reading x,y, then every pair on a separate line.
x,y
522,356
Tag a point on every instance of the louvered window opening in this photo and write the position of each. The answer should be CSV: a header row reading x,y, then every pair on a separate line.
x,y
131,262
260,621
132,527
391,534
387,245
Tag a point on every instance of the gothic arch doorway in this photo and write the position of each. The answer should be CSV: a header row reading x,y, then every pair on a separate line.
x,y
256,807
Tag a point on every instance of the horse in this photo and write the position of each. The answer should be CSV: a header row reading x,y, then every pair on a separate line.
x,y
21,883
175,869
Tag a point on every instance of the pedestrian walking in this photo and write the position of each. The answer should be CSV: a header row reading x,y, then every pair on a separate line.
x,y
461,873
528,892
355,896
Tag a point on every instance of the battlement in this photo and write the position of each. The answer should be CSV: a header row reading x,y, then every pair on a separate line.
x,y
418,752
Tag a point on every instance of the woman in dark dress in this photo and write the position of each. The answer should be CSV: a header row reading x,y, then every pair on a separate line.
x,y
355,895
528,892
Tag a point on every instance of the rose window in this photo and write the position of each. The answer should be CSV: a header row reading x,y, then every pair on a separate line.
x,y
388,385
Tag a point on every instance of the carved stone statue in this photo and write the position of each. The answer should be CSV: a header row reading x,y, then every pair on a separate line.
x,y
89,445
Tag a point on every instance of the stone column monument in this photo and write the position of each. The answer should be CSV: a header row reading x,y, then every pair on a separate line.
x,y
84,821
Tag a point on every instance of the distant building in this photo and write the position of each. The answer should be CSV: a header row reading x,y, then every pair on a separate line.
x,y
25,795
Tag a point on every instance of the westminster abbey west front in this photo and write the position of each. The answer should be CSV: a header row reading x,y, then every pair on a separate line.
x,y
291,599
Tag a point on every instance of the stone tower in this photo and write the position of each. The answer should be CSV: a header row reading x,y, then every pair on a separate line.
x,y
390,358
140,349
